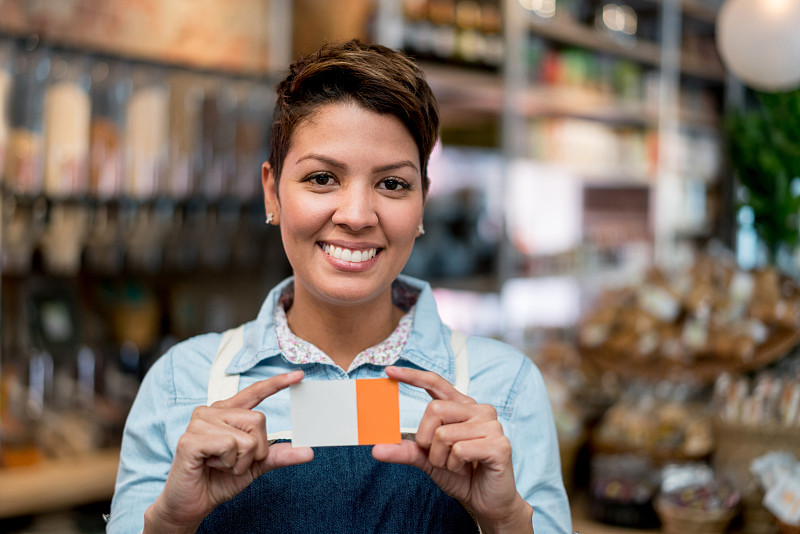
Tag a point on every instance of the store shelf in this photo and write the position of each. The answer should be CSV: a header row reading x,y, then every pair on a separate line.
x,y
58,484
583,524
699,11
694,9
569,32
481,92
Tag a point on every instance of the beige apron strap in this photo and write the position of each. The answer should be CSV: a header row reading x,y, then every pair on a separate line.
x,y
458,341
220,384
224,386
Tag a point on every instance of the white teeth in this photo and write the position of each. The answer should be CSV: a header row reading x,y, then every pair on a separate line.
x,y
353,256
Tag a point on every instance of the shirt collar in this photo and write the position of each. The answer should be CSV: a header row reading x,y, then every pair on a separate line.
x,y
426,345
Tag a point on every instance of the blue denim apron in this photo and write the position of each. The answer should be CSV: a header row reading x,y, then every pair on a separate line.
x,y
343,490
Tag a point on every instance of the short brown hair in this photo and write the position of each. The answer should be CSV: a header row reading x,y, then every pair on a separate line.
x,y
373,76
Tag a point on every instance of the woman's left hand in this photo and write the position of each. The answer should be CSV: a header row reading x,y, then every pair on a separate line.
x,y
460,444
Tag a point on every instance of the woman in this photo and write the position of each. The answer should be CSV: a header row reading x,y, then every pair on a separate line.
x,y
346,182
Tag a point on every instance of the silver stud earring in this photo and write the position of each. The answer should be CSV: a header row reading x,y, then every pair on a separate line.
x,y
269,218
421,229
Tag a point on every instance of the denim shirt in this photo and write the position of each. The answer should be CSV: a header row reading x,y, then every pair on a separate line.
x,y
499,375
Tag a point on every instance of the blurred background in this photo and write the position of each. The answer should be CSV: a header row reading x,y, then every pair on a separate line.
x,y
615,193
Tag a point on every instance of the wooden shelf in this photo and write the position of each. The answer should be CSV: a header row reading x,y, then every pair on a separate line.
x,y
569,32
58,484
583,524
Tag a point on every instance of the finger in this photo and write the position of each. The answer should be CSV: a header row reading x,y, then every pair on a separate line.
x,y
441,412
446,437
493,453
208,420
436,386
254,424
252,395
237,453
215,449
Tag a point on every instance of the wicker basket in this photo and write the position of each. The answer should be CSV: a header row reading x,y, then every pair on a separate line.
x,y
702,370
682,520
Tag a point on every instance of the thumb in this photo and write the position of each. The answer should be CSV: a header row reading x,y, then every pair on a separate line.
x,y
283,455
406,452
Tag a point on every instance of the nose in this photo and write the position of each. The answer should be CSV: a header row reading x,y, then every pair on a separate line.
x,y
355,207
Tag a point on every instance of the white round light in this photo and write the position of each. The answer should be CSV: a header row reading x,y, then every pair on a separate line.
x,y
759,42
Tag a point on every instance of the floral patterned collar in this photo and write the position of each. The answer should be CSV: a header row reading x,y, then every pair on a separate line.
x,y
387,352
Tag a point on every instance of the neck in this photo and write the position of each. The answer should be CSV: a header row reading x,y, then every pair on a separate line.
x,y
342,332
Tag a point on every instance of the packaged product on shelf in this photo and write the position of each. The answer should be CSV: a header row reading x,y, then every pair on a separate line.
x,y
67,114
109,94
779,475
442,15
24,157
758,433
469,40
146,133
491,28
663,430
772,399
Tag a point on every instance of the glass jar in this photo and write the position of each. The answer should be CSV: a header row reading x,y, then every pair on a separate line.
x,y
24,157
111,88
186,98
67,114
146,133
216,155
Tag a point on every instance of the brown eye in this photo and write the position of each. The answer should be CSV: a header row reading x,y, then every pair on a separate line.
x,y
392,184
320,178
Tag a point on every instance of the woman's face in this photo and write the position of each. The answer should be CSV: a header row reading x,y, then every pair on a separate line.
x,y
350,203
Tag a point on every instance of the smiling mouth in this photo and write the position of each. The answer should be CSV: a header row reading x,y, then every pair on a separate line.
x,y
346,254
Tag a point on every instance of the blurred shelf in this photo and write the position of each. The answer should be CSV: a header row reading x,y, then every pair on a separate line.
x,y
58,484
694,9
488,283
466,93
699,10
569,32
584,525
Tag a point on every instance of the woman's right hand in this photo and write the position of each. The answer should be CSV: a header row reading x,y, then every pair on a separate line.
x,y
223,450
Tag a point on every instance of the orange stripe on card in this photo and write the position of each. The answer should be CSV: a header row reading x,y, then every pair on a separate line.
x,y
378,411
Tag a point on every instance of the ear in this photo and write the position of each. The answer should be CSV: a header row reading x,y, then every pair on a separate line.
x,y
271,203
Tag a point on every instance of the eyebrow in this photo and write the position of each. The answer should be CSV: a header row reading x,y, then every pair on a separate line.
x,y
339,165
